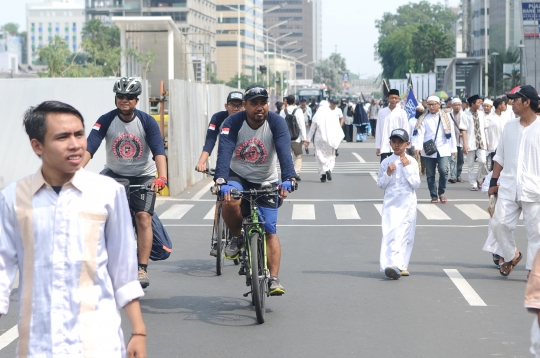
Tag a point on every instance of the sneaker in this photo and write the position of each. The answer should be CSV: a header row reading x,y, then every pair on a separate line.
x,y
452,180
405,273
213,251
392,272
232,251
323,178
143,278
329,175
274,287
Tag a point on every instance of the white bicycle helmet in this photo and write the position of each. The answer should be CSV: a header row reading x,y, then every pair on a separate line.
x,y
128,86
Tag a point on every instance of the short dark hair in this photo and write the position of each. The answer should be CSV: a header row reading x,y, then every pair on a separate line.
x,y
505,99
35,122
497,102
534,105
291,99
303,100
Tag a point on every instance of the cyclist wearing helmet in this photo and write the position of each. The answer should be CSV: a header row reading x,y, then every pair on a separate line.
x,y
134,148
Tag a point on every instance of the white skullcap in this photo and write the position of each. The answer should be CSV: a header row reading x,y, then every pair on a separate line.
x,y
456,100
488,101
434,98
420,108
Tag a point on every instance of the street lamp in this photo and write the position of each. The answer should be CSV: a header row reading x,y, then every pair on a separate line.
x,y
495,54
267,36
521,72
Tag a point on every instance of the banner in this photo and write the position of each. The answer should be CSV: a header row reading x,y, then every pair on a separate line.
x,y
411,104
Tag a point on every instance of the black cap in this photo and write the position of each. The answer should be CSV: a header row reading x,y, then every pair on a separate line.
x,y
393,91
401,134
473,99
255,91
333,99
526,91
235,96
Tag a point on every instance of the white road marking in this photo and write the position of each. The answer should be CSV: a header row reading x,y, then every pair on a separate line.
x,y
303,212
463,286
346,212
473,211
379,199
432,212
375,176
9,336
203,191
210,215
339,225
360,159
176,212
379,208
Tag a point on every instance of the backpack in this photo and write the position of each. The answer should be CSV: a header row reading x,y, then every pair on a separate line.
x,y
161,243
292,124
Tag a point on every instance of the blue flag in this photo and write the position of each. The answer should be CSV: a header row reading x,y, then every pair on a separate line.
x,y
411,104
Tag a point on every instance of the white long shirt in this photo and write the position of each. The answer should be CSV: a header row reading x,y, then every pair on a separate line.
x,y
387,121
299,114
467,124
518,153
428,129
494,128
76,256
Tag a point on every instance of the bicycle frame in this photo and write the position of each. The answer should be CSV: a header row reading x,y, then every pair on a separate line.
x,y
251,225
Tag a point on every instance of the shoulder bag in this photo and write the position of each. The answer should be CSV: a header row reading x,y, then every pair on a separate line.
x,y
429,146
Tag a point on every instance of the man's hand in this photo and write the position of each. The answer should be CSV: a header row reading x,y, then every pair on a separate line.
x,y
404,160
158,184
286,187
201,167
378,152
390,169
225,191
465,149
494,190
136,347
454,155
306,143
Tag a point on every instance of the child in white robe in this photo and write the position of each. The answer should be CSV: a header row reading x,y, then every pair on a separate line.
x,y
399,177
491,245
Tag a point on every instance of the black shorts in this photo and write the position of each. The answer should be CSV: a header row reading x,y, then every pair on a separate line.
x,y
138,200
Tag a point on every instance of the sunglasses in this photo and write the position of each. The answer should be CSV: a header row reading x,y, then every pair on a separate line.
x,y
257,90
130,97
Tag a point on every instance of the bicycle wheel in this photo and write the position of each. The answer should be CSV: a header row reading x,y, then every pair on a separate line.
x,y
258,286
221,239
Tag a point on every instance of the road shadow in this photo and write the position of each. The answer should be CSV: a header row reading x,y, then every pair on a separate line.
x,y
197,268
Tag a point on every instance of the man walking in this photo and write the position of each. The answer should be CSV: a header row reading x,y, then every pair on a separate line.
x,y
373,115
390,118
495,123
474,141
456,163
296,144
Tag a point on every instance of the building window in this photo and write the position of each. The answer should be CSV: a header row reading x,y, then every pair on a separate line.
x,y
50,38
74,39
66,38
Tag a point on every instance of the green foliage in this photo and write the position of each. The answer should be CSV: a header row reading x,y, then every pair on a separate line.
x,y
245,81
329,71
412,38
11,28
102,44
505,81
212,76
145,60
55,55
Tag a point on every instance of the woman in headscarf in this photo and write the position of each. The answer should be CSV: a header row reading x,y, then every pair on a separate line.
x,y
361,121
328,136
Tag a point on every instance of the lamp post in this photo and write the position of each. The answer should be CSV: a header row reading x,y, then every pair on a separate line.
x,y
267,37
521,72
495,54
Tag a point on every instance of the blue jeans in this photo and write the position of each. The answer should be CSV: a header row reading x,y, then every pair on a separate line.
x,y
431,163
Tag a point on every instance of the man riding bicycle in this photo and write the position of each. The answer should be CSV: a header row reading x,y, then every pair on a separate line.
x,y
251,142
134,149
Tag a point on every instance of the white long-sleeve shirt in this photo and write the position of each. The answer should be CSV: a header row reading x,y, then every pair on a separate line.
x,y
518,153
299,114
494,127
467,124
77,260
387,121
426,131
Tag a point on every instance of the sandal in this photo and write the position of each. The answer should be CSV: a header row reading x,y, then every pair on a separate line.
x,y
443,199
434,200
507,267
474,188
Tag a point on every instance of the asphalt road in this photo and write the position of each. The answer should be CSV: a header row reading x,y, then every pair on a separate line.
x,y
337,302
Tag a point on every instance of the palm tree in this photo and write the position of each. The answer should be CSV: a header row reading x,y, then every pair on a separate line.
x,y
512,79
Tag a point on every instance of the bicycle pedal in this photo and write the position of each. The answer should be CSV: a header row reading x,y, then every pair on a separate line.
x,y
242,271
247,294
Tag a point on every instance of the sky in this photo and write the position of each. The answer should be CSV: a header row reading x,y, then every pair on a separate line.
x,y
347,26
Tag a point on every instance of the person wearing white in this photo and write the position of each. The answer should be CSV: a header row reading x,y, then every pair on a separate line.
x,y
399,178
69,233
388,119
473,124
296,145
436,125
456,163
495,123
328,136
488,106
491,245
308,115
532,304
517,170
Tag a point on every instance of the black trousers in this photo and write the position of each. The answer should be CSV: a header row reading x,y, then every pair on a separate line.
x,y
373,124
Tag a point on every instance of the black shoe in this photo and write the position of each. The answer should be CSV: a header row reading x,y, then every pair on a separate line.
x,y
337,154
323,178
298,178
329,175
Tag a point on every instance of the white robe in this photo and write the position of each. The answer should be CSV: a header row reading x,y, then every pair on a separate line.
x,y
491,244
398,212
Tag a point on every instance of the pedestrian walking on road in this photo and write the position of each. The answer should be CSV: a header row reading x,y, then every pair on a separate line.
x,y
69,234
399,178
296,144
361,121
436,128
328,136
518,170
456,163
491,245
532,304
495,123
474,141
390,118
373,115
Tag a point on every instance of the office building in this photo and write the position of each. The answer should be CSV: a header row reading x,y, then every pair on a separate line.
x,y
47,20
504,24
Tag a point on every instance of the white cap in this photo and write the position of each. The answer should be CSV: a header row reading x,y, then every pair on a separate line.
x,y
488,101
456,100
434,98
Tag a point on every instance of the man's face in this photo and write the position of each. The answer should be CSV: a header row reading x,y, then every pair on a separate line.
x,y
487,108
393,99
503,106
333,105
63,145
233,107
257,109
126,103
456,107
520,106
434,107
303,104
464,105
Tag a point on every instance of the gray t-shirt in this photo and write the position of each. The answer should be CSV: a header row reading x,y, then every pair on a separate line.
x,y
254,156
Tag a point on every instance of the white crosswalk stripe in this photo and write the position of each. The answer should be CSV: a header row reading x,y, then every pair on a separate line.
x,y
379,208
176,212
432,212
473,211
303,212
346,212
210,215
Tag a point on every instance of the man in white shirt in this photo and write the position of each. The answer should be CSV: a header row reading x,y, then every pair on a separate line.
x,y
296,144
456,163
517,170
474,144
435,125
389,118
70,235
495,123
337,112
488,106
308,115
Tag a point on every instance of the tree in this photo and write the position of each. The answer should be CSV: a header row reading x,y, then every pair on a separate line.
x,y
102,44
430,42
11,28
55,55
245,82
328,72
509,80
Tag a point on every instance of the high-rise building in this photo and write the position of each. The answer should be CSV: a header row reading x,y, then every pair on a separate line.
x,y
249,56
45,21
297,25
504,24
195,18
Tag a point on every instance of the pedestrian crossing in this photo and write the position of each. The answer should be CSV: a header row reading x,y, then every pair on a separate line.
x,y
322,210
357,167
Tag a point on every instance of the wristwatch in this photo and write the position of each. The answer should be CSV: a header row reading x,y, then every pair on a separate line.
x,y
221,181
